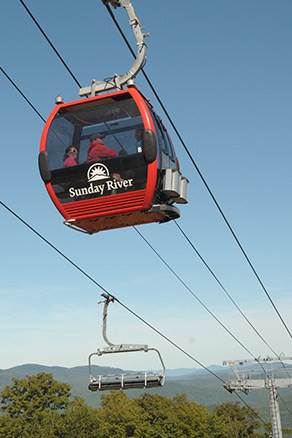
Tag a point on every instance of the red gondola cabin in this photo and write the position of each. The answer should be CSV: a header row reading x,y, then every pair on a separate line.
x,y
108,162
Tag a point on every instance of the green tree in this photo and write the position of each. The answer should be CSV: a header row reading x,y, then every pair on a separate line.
x,y
80,421
287,432
9,428
238,421
43,425
39,407
34,394
178,417
121,417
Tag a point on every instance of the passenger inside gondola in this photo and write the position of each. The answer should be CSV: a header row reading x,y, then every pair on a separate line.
x,y
71,156
98,150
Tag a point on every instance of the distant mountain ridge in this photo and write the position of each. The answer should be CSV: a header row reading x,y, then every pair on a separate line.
x,y
191,381
197,384
27,369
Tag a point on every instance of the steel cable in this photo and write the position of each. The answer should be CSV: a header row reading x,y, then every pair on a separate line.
x,y
151,326
202,177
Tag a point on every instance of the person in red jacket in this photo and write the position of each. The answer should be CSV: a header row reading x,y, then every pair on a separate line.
x,y
98,150
70,157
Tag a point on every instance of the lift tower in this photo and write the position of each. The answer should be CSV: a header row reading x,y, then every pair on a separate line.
x,y
243,382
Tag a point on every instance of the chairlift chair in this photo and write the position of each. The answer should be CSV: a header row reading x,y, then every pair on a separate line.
x,y
125,380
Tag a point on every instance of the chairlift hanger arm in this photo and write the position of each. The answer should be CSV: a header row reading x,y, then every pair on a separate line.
x,y
118,81
115,348
108,299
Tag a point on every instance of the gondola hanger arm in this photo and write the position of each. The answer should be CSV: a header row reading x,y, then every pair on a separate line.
x,y
117,81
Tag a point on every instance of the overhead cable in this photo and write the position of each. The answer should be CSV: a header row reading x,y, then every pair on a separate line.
x,y
174,127
89,277
125,39
184,284
202,177
65,64
228,294
74,78
22,94
99,285
151,326
179,278
50,43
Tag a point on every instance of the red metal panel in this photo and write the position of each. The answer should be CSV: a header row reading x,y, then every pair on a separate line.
x,y
105,206
93,225
56,201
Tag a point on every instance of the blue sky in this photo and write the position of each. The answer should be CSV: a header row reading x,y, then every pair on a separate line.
x,y
223,70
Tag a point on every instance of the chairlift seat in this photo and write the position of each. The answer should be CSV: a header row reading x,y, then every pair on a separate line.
x,y
126,381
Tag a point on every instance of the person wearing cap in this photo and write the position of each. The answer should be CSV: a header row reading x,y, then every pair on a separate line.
x,y
98,150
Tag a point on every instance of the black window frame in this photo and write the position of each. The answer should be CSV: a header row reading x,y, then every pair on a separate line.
x,y
165,143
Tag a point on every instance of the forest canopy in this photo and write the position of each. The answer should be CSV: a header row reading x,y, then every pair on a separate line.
x,y
39,406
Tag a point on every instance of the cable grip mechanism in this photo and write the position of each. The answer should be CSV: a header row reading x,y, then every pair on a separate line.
x,y
117,81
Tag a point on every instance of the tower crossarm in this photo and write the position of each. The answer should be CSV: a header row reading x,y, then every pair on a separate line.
x,y
269,383
249,384
283,383
244,385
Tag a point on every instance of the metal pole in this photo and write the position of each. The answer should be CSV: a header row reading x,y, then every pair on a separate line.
x,y
274,408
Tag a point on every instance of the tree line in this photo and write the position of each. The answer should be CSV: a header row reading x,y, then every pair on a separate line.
x,y
39,406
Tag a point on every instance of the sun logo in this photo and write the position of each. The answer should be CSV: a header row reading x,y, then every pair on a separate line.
x,y
97,171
